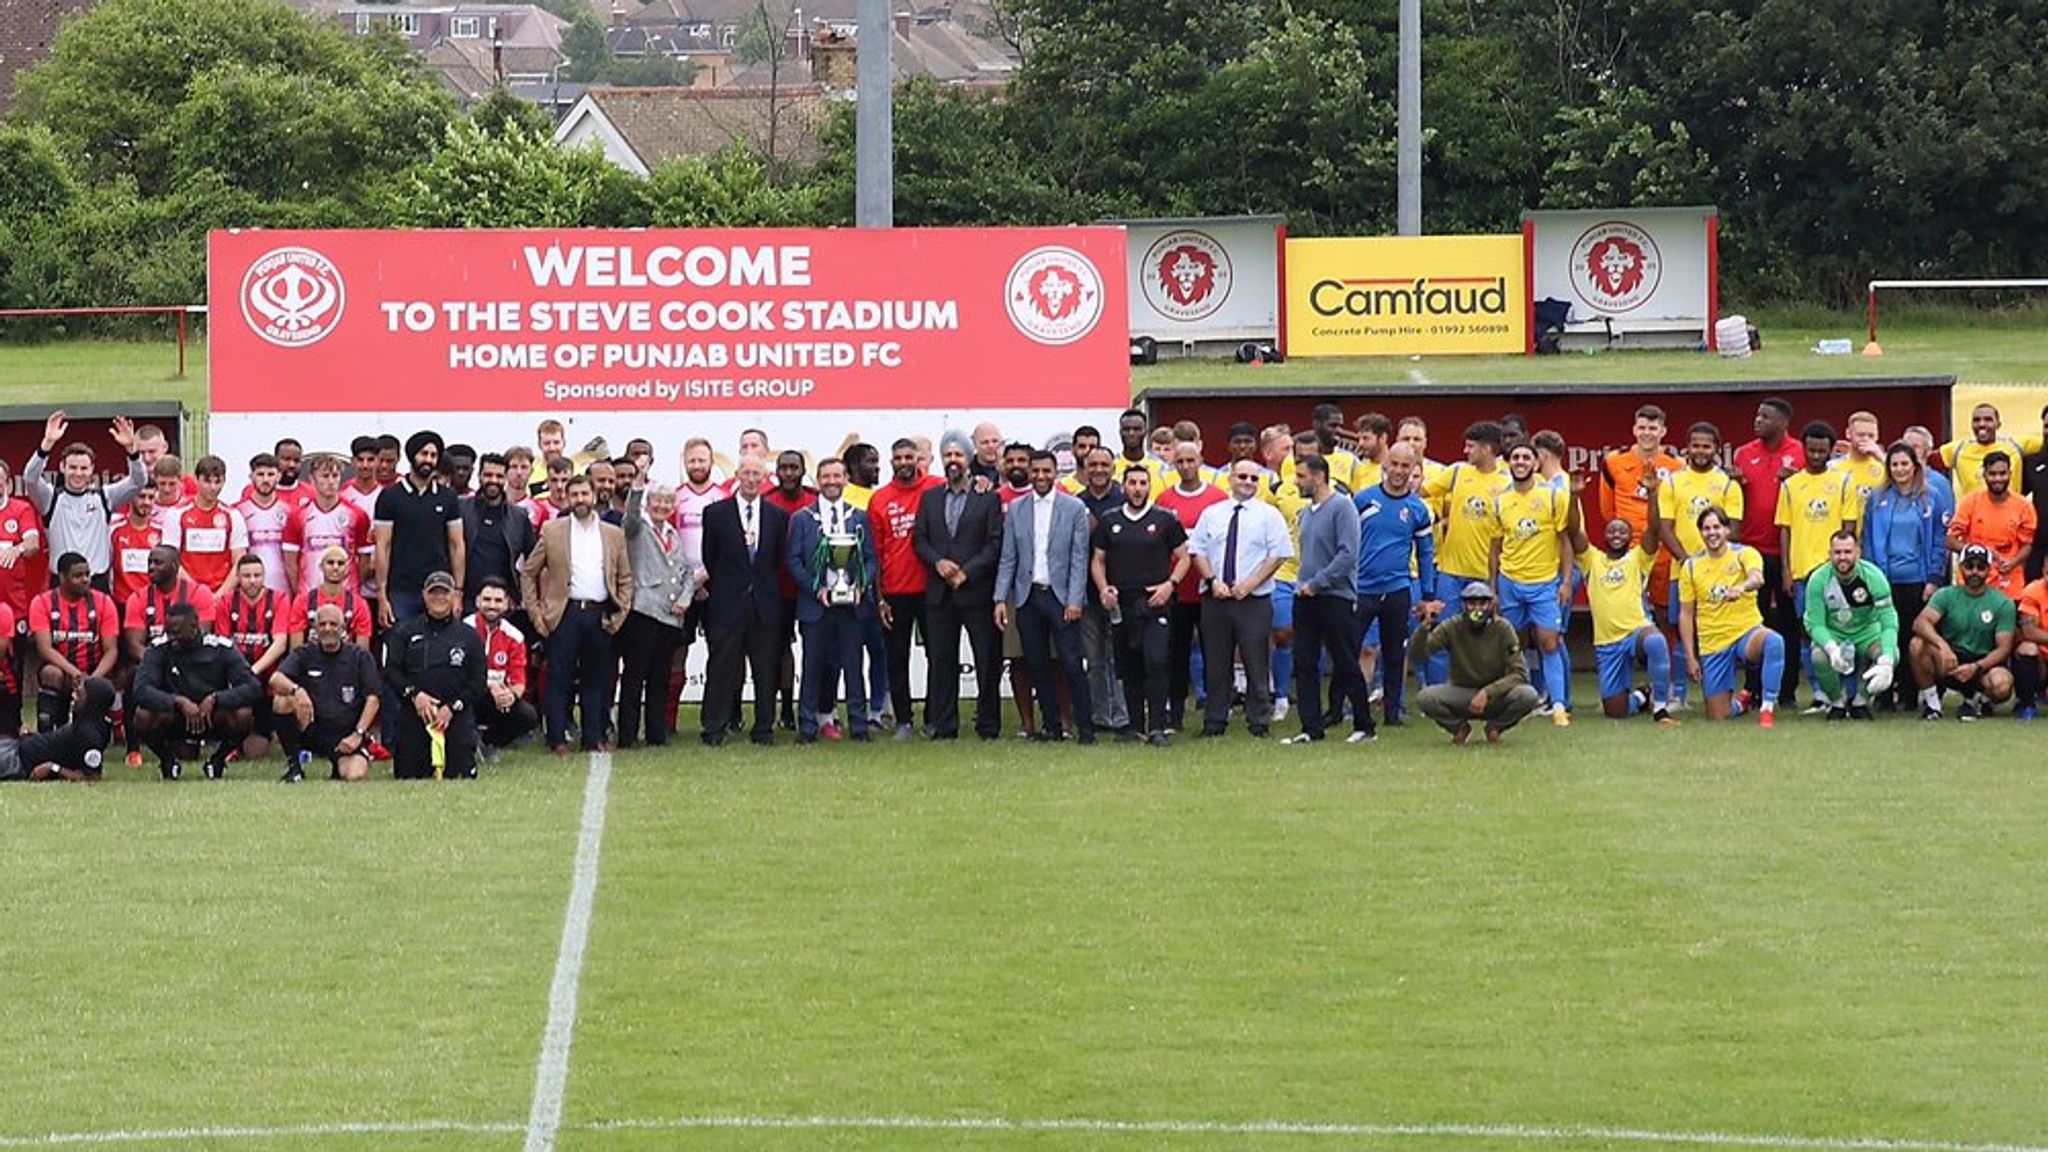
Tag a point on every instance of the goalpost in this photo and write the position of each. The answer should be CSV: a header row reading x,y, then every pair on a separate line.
x,y
1872,349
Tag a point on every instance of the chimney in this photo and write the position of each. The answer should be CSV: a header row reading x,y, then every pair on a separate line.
x,y
618,14
833,63
903,19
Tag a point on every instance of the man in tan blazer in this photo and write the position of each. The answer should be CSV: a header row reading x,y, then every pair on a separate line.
x,y
578,587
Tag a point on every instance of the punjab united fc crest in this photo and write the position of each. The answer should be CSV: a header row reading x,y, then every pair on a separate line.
x,y
292,297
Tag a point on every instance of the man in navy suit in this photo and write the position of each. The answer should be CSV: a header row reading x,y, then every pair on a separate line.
x,y
1043,579
832,631
958,536
745,545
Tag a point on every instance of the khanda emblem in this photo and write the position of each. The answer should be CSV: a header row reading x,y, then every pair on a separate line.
x,y
292,297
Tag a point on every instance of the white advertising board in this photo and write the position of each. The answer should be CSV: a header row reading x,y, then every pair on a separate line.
x,y
1642,267
1205,279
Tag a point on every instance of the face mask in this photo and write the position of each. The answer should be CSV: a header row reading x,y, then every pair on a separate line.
x,y
1477,618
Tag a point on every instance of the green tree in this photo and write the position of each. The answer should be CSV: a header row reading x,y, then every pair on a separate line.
x,y
261,80
501,112
730,190
956,163
1614,152
285,136
651,71
584,47
513,178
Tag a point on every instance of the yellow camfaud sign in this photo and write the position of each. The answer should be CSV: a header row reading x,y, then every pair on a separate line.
x,y
1406,295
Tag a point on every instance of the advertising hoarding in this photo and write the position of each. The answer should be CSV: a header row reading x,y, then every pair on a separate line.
x,y
1646,269
1406,296
1204,280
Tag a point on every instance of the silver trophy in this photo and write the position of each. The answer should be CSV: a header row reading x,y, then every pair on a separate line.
x,y
842,555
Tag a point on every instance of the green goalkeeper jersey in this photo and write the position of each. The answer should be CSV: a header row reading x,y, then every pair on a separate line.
x,y
1856,609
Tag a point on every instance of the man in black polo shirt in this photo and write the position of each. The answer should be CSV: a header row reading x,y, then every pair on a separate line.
x,y
1100,494
326,701
419,530
1140,555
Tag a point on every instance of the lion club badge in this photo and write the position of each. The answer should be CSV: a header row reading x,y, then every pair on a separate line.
x,y
292,297
1615,267
1185,275
1054,295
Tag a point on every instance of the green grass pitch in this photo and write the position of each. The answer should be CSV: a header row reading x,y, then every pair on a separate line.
x,y
1822,932
1606,938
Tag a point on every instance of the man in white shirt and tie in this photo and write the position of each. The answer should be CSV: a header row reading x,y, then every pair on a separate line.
x,y
1236,547
1042,580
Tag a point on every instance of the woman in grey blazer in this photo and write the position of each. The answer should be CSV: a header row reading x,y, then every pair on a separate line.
x,y
662,587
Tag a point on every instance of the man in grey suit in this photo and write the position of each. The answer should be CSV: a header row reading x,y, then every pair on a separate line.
x,y
1043,578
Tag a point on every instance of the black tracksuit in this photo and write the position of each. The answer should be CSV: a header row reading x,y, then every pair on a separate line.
x,y
445,660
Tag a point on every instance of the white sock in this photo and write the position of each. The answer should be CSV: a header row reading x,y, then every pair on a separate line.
x,y
1931,697
1767,704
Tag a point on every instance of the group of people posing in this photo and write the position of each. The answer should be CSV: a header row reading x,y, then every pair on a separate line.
x,y
428,604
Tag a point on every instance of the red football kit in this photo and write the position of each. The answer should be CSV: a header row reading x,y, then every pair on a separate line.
x,y
504,652
265,524
1761,470
147,609
293,495
790,505
312,530
131,555
355,611
18,522
8,623
1188,509
251,625
79,630
209,542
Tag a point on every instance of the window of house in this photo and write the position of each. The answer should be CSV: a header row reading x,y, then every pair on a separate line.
x,y
407,23
363,20
465,27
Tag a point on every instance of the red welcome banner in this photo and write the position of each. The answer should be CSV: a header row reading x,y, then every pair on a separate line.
x,y
670,320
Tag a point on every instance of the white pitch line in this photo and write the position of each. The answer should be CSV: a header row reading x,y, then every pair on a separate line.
x,y
1515,1132
183,1135
552,1075
1541,1134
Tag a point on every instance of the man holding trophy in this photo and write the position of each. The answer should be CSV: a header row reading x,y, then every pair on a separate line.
x,y
832,556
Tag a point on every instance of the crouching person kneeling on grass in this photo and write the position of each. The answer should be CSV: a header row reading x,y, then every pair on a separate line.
x,y
75,751
1488,682
435,666
193,687
325,699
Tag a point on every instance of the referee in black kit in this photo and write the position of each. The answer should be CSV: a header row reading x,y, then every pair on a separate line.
x,y
435,664
1140,555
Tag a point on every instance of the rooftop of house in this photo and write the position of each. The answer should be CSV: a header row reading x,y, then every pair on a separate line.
x,y
27,30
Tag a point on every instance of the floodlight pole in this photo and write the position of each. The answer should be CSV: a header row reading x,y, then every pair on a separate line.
x,y
1408,123
873,157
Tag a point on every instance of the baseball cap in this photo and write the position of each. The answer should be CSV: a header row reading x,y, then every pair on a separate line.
x,y
1976,554
1476,590
441,581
